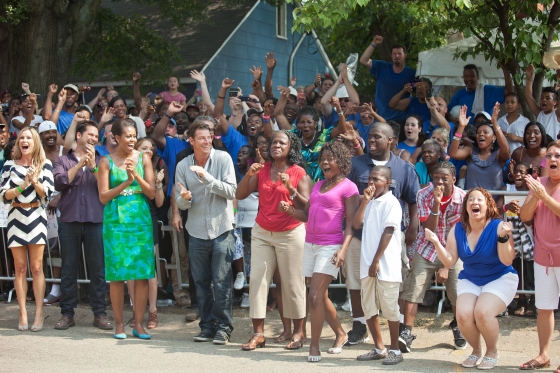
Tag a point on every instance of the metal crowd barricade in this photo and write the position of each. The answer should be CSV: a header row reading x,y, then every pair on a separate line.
x,y
52,262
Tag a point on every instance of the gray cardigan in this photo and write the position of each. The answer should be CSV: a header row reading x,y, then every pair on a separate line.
x,y
211,206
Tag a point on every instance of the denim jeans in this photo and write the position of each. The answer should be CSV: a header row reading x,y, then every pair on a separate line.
x,y
72,235
211,263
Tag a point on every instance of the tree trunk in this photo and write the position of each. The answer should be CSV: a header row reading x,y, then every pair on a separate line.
x,y
40,49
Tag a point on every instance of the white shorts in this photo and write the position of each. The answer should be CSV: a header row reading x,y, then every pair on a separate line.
x,y
504,287
317,259
547,287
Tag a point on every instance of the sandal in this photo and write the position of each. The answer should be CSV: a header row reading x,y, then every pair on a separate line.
x,y
295,344
520,311
257,340
281,339
471,362
337,350
488,363
152,320
534,364
530,311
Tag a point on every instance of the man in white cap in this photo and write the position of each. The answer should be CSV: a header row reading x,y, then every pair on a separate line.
x,y
49,136
65,109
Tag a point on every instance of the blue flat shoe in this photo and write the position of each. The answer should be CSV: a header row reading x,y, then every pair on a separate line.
x,y
120,336
141,336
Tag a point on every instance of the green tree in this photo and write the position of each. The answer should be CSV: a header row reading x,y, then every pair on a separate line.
x,y
512,33
40,40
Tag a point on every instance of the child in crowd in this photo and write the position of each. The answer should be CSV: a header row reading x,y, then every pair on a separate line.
x,y
380,215
547,111
523,240
513,124
173,93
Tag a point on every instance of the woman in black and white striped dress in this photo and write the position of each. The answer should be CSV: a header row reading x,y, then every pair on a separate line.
x,y
27,182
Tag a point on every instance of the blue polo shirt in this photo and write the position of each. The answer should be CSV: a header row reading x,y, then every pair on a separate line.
x,y
389,84
233,141
492,94
418,108
169,154
64,121
404,184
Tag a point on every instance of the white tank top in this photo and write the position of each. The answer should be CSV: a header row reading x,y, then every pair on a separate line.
x,y
550,123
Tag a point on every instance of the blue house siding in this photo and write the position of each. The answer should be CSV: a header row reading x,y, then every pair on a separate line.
x,y
249,44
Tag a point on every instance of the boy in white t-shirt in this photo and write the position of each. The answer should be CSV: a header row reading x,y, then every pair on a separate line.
x,y
513,124
380,215
548,112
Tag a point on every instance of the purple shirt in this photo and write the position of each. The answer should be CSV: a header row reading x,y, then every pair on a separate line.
x,y
327,212
79,200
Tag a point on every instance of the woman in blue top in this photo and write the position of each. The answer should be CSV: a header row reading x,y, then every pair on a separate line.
x,y
488,282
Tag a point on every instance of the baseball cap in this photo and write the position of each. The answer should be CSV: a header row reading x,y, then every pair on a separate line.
x,y
341,92
72,87
47,126
485,114
293,91
192,106
253,111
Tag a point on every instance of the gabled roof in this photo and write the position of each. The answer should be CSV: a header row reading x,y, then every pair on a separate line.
x,y
198,41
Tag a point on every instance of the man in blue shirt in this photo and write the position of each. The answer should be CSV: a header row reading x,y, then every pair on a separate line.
x,y
488,96
413,105
390,77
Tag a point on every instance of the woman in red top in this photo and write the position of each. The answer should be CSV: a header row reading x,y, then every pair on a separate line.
x,y
278,238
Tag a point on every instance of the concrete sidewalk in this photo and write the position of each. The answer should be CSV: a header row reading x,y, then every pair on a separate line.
x,y
85,348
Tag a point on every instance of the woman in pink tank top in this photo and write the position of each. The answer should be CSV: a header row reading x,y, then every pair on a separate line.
x,y
542,206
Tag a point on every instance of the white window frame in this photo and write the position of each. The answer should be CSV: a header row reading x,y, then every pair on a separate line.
x,y
283,21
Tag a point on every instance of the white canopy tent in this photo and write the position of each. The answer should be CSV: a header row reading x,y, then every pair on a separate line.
x,y
440,66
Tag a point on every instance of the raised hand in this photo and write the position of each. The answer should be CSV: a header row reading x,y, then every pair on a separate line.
x,y
33,99
285,91
377,39
535,187
136,77
432,103
198,76
62,95
53,88
369,192
496,114
185,194
407,87
504,228
463,119
335,102
343,72
198,170
257,72
101,93
318,79
270,60
293,81
107,115
368,108
174,108
226,83
25,87
530,71
269,109
258,158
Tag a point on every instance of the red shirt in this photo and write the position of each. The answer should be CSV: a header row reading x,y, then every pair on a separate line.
x,y
270,196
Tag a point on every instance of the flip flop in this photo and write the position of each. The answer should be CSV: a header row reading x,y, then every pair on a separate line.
x,y
314,359
337,350
471,361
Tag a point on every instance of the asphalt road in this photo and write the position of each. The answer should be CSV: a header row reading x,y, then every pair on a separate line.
x,y
87,349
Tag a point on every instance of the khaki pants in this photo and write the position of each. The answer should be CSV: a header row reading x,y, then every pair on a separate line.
x,y
285,251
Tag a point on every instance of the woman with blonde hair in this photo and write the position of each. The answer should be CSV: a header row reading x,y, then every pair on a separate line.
x,y
27,182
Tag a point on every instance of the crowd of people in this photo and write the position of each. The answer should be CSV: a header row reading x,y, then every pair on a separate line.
x,y
298,186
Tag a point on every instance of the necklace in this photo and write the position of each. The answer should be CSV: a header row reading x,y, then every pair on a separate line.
x,y
310,142
332,181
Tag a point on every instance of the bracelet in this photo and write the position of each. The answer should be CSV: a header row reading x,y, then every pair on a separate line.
x,y
19,189
93,170
504,208
373,45
456,138
217,137
340,114
431,213
459,135
223,98
266,117
357,146
294,195
169,116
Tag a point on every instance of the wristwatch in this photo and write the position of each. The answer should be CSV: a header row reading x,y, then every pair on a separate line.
x,y
93,169
503,239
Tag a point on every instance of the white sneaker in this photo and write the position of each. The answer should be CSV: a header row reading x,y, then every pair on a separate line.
x,y
239,281
347,306
245,301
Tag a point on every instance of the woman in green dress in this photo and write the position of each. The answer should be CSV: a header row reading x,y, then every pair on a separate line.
x,y
126,179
